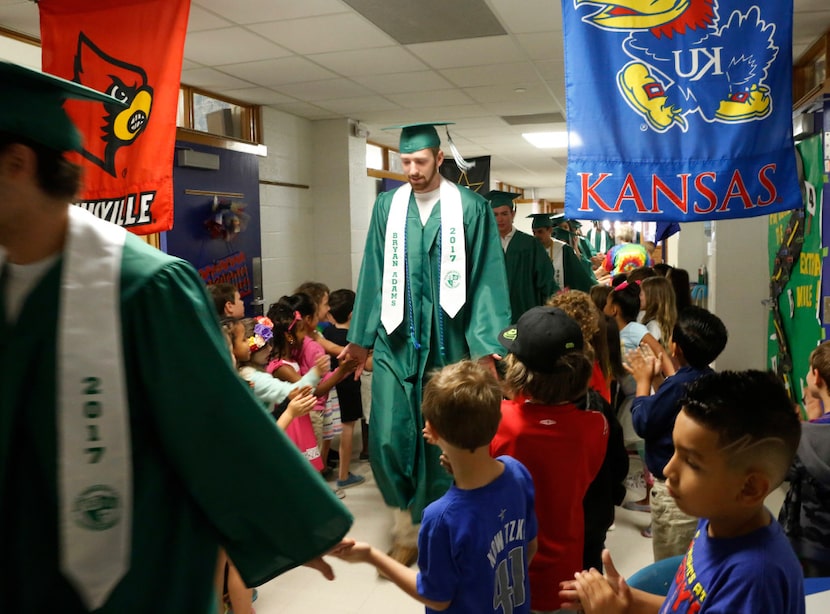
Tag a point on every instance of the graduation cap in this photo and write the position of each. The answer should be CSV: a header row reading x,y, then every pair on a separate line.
x,y
541,220
498,198
31,106
423,135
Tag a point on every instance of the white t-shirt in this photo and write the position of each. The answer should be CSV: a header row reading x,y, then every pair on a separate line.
x,y
426,202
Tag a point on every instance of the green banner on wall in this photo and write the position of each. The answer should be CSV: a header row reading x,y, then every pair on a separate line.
x,y
795,263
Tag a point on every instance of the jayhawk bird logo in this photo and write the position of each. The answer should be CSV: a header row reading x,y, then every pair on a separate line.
x,y
123,81
685,59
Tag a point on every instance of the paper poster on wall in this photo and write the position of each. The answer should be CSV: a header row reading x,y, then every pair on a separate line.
x,y
795,265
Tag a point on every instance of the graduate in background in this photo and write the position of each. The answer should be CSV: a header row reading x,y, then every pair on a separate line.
x,y
530,274
568,270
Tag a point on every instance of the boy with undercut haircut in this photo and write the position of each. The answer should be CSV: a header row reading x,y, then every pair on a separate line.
x,y
476,541
734,441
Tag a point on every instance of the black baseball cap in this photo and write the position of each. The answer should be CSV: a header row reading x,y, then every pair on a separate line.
x,y
541,337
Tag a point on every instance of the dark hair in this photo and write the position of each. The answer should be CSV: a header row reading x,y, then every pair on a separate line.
x,y
221,294
341,304
56,176
640,273
679,279
301,302
567,382
752,416
662,269
627,298
599,294
462,403
282,315
700,334
618,279
315,290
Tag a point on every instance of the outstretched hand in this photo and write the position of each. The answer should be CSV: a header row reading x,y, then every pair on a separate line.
x,y
357,353
642,363
351,550
320,565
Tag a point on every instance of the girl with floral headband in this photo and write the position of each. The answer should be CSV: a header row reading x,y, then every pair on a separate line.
x,y
257,340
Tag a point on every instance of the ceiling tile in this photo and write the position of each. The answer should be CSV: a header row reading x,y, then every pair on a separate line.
x,y
359,106
398,83
323,34
208,78
257,95
229,46
378,60
471,76
469,52
533,92
305,109
292,69
542,45
259,11
200,19
323,90
430,98
534,16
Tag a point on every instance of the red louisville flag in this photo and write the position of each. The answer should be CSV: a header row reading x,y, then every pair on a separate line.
x,y
131,49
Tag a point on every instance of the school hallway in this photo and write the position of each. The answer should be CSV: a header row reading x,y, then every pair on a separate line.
x,y
357,589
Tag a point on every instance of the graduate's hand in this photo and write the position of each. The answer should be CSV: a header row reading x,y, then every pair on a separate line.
x,y
356,352
320,565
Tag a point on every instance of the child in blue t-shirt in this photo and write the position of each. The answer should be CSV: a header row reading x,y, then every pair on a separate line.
x,y
698,338
476,541
734,440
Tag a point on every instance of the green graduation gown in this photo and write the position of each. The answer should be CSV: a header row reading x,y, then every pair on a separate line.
x,y
574,275
406,469
529,273
209,467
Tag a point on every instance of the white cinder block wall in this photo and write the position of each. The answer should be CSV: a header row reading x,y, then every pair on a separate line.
x,y
287,212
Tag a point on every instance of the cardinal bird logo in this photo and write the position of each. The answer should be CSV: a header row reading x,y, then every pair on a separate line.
x,y
123,81
685,59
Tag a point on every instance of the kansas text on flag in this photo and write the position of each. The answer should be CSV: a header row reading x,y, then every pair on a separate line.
x,y
679,110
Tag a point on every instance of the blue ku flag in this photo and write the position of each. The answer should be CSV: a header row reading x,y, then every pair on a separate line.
x,y
679,110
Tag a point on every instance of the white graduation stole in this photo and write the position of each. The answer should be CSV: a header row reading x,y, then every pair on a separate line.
x,y
453,273
94,453
556,257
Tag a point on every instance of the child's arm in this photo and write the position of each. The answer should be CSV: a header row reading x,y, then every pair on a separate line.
x,y
666,364
642,366
343,369
271,390
302,403
404,577
331,348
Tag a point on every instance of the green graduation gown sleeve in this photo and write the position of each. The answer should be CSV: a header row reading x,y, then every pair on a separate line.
x,y
406,469
529,273
209,466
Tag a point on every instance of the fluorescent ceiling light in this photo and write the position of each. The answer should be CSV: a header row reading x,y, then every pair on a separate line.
x,y
547,140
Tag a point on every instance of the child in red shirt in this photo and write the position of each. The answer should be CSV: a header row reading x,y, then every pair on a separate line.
x,y
561,445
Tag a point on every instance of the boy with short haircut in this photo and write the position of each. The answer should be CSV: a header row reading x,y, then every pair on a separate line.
x,y
562,446
476,541
227,301
734,440
698,338
341,304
